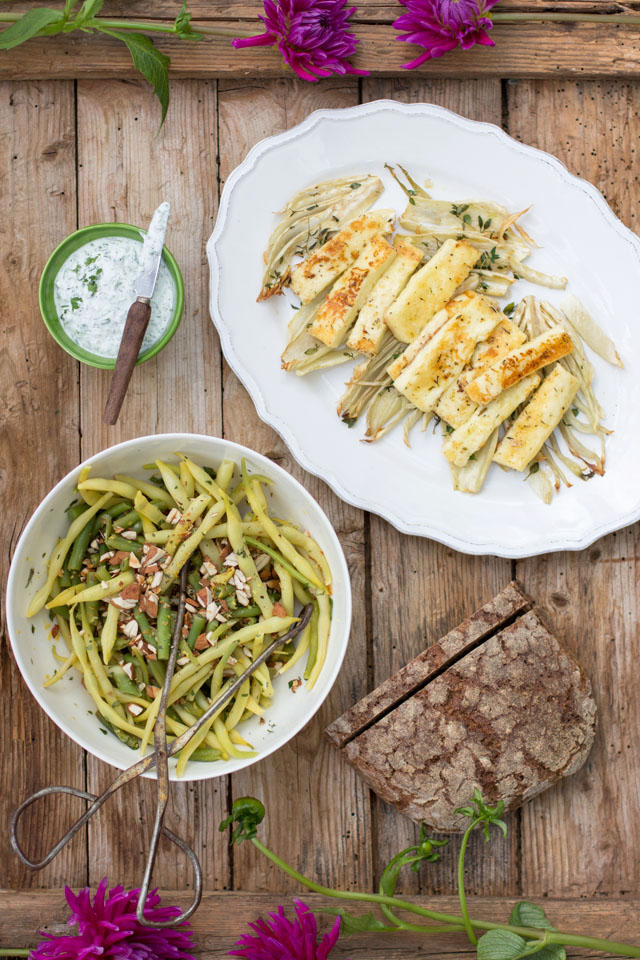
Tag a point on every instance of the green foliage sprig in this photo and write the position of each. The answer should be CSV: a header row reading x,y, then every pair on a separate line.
x,y
77,15
527,932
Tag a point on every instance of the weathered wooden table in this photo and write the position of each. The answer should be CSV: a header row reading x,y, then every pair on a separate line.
x,y
78,146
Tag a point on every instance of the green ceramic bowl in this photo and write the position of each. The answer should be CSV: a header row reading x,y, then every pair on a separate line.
x,y
47,299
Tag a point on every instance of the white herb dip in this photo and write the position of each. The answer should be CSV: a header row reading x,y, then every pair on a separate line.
x,y
94,289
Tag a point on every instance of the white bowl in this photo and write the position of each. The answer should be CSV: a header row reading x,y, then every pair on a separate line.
x,y
67,703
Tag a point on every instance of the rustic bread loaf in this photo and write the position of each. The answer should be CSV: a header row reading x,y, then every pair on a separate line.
x,y
511,715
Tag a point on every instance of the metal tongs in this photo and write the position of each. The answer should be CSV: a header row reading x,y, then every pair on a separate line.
x,y
159,760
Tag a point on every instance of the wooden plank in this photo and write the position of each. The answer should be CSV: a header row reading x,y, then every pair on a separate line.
x,y
323,809
383,11
591,597
223,918
124,173
416,602
522,50
37,182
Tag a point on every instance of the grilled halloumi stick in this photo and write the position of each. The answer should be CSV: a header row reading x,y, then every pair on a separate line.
x,y
471,477
454,406
404,357
531,356
340,308
442,357
430,288
538,420
473,434
314,274
370,327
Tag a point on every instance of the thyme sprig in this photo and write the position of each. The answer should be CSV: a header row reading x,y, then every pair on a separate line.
x,y
527,932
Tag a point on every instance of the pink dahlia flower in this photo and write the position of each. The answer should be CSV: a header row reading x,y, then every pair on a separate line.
x,y
313,36
108,930
282,939
440,25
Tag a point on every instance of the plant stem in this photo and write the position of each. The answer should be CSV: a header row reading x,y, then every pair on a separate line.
x,y
461,894
621,18
14,953
142,26
529,933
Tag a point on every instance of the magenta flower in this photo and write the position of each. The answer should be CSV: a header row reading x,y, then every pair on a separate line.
x,y
313,36
440,25
282,939
108,930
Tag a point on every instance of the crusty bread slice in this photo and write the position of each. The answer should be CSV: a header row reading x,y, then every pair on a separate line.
x,y
510,717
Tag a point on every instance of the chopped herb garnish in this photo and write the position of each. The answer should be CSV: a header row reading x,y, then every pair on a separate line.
x,y
312,350
30,577
355,185
508,310
75,302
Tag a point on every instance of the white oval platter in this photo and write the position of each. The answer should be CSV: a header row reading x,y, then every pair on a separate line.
x,y
578,236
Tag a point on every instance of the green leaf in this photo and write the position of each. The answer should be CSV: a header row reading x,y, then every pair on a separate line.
x,y
526,914
89,9
29,26
182,25
153,65
350,923
501,945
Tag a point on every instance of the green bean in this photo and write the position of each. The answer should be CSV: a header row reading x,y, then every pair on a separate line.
x,y
253,610
128,518
122,681
74,510
164,628
157,671
281,560
313,643
142,665
122,735
117,509
79,548
121,543
92,606
107,520
197,627
102,573
145,627
194,579
205,753
65,578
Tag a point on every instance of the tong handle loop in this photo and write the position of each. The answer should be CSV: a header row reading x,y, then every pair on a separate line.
x,y
197,885
96,803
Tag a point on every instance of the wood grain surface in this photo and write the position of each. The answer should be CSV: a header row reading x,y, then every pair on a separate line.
x,y
77,153
223,917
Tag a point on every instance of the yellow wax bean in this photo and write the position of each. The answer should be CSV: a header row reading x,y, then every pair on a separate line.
x,y
99,591
324,627
117,487
60,672
286,587
187,480
190,546
89,496
306,541
148,529
184,526
246,563
221,733
157,536
225,473
60,552
301,649
173,485
147,509
284,546
150,490
109,633
202,478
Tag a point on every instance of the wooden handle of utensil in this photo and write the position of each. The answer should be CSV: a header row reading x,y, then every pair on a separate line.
x,y
134,331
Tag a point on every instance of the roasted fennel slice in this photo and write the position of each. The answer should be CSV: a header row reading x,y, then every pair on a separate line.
x,y
368,380
504,245
304,353
310,219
